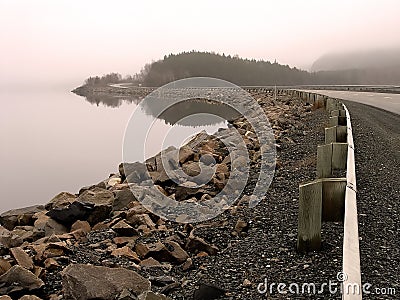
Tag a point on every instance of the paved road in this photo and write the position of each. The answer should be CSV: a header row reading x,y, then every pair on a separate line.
x,y
389,102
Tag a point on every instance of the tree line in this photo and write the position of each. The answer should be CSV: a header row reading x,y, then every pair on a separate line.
x,y
111,78
244,72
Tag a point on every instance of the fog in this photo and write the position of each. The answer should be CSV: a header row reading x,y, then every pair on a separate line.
x,y
60,43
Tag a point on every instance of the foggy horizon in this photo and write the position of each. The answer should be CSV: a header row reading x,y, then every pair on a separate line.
x,y
60,44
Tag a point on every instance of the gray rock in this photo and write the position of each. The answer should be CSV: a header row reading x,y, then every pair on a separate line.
x,y
101,185
22,258
81,282
134,172
20,216
94,205
30,297
191,168
8,239
122,199
179,255
69,214
149,295
102,201
48,226
197,244
185,153
4,266
127,295
208,292
207,159
199,139
124,229
19,279
60,200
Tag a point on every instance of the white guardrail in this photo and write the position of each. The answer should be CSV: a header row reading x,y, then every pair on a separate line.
x,y
329,198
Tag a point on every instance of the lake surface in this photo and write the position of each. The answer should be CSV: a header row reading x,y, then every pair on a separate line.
x,y
57,141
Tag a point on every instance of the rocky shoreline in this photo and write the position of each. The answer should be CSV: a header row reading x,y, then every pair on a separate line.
x,y
107,90
102,243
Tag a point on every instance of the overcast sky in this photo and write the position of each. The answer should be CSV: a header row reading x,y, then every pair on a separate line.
x,y
63,42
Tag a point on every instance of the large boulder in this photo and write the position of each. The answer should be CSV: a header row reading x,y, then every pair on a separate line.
x,y
81,282
163,165
123,198
124,229
185,153
48,225
140,219
191,168
154,163
20,216
134,172
22,258
67,215
169,252
18,279
8,239
94,205
27,233
60,200
102,201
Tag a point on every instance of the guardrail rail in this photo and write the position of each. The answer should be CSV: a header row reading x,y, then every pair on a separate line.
x,y
332,199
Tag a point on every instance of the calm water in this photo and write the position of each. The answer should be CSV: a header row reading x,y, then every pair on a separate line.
x,y
58,141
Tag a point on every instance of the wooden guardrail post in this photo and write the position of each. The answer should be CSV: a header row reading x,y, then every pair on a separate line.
x,y
336,134
324,160
330,157
319,200
339,156
337,120
310,217
333,195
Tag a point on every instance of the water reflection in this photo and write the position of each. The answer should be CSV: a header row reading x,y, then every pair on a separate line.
x,y
107,100
203,112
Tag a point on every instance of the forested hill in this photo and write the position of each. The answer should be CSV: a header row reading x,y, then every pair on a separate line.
x,y
234,69
247,72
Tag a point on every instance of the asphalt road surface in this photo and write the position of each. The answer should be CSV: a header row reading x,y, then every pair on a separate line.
x,y
389,102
